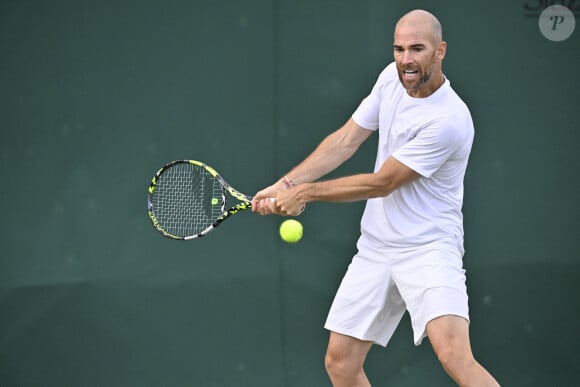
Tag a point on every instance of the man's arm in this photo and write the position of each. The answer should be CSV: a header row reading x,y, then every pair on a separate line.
x,y
334,150
392,175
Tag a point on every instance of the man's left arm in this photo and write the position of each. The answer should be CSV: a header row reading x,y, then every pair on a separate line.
x,y
392,175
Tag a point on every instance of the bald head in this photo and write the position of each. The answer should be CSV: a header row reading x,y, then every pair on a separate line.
x,y
419,50
423,22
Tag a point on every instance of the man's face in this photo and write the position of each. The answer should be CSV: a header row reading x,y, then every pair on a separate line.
x,y
416,58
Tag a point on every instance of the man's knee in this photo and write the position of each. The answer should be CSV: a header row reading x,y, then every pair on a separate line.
x,y
449,337
454,359
345,355
337,363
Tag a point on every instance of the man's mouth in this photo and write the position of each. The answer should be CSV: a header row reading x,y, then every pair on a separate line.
x,y
410,73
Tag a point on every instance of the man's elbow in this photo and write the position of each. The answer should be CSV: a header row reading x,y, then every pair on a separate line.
x,y
385,184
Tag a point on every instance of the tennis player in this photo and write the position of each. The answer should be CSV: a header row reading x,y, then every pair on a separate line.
x,y
410,249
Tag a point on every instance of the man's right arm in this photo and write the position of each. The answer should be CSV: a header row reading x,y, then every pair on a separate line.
x,y
334,150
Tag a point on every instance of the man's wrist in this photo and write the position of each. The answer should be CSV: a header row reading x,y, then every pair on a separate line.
x,y
287,182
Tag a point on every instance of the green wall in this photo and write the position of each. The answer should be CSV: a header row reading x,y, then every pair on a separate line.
x,y
95,96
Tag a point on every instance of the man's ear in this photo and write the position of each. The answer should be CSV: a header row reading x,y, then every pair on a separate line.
x,y
440,50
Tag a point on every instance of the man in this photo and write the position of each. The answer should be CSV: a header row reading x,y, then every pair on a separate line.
x,y
411,245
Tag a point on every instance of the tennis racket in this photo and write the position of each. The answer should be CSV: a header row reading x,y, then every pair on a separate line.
x,y
188,198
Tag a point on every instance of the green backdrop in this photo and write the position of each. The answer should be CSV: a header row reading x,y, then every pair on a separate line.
x,y
95,96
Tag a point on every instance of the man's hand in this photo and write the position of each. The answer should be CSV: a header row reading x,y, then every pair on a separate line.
x,y
278,199
264,201
287,202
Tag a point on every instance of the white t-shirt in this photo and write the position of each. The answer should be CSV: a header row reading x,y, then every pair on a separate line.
x,y
432,136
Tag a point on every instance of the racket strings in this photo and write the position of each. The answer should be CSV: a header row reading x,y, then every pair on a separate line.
x,y
187,200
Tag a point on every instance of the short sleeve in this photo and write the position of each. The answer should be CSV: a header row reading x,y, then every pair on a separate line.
x,y
367,113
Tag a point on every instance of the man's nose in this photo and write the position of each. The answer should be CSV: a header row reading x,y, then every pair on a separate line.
x,y
407,57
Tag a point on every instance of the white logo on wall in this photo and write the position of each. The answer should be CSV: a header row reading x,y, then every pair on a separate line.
x,y
557,23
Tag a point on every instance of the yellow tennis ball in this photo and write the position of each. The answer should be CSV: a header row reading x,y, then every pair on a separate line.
x,y
291,230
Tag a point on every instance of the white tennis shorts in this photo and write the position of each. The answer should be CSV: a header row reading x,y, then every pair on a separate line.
x,y
378,287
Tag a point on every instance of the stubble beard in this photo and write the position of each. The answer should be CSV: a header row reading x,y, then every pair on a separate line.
x,y
425,76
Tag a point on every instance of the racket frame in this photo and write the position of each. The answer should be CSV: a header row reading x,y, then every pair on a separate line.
x,y
244,204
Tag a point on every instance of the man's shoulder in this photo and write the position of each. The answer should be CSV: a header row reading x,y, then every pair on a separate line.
x,y
388,82
389,72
